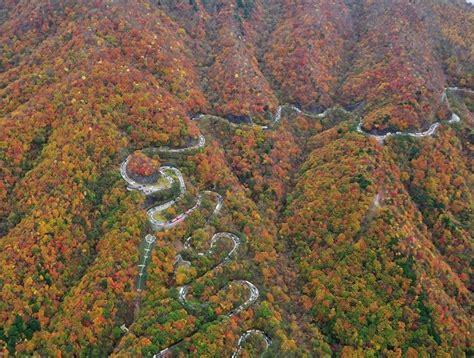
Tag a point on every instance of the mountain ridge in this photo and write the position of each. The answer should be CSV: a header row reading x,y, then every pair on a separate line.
x,y
355,246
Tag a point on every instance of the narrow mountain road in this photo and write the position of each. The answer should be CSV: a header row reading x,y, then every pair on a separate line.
x,y
430,131
246,336
169,175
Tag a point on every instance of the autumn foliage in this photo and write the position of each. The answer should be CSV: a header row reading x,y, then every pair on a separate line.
x,y
142,165
357,248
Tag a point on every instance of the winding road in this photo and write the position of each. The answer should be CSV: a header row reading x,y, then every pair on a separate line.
x,y
380,138
253,296
201,142
430,131
170,175
246,336
275,117
219,201
215,238
183,291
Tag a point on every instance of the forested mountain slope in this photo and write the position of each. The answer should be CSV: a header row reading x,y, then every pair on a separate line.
x,y
210,178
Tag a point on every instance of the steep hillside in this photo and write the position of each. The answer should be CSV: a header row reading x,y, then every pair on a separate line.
x,y
89,87
306,51
236,178
372,279
395,70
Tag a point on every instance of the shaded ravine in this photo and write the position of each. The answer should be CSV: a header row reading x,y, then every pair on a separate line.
x,y
430,131
170,174
380,138
275,117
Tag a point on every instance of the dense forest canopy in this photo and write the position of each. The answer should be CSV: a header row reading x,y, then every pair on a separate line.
x,y
238,178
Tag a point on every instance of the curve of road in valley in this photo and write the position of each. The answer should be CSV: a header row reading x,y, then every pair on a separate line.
x,y
430,131
380,138
275,117
168,176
